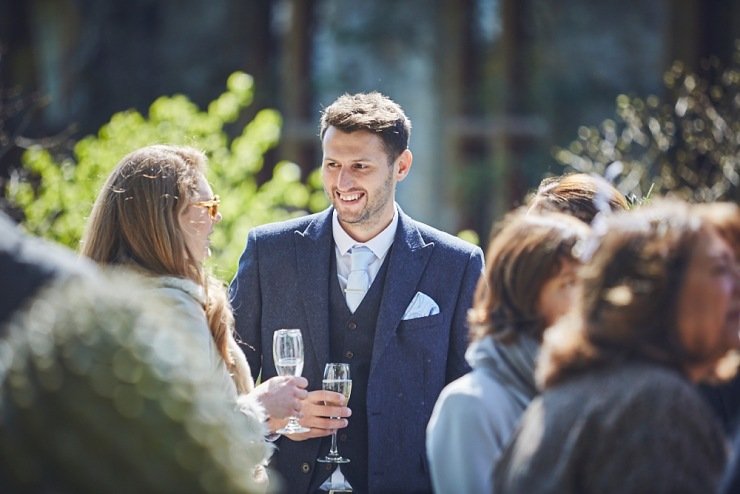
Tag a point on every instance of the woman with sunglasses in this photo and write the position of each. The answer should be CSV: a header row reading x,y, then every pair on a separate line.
x,y
155,214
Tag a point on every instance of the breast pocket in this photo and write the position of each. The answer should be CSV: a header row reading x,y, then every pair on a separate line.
x,y
424,344
420,322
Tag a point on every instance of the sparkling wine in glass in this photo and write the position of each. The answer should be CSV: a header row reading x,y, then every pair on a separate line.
x,y
337,379
287,352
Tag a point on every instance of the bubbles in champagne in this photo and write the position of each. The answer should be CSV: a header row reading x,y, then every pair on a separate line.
x,y
289,366
343,386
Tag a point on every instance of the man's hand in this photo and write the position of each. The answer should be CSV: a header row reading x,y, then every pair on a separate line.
x,y
318,409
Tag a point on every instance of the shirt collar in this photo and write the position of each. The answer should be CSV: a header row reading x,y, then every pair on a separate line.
x,y
379,244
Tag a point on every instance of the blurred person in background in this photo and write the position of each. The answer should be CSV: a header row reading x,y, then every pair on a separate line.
x,y
529,283
578,194
154,215
659,310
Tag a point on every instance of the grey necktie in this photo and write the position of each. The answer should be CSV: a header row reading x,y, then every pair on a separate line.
x,y
358,280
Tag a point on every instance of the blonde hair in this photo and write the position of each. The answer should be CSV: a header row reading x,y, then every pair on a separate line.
x,y
135,221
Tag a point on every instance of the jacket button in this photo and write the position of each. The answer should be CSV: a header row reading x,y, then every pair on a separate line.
x,y
349,354
343,438
352,325
305,467
329,467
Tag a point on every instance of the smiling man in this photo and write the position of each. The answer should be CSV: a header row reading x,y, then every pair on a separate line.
x,y
368,286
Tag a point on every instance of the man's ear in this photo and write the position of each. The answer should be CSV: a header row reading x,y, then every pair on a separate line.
x,y
403,161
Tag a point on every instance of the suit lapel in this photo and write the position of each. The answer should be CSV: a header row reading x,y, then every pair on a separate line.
x,y
408,259
313,248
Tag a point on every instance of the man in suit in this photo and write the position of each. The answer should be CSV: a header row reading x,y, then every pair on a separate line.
x,y
404,341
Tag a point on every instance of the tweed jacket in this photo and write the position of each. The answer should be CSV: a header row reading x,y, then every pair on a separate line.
x,y
283,281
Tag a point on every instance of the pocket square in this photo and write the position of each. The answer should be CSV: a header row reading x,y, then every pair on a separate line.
x,y
422,305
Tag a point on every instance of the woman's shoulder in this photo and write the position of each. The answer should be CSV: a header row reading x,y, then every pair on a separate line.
x,y
632,389
473,386
186,298
181,289
639,377
184,295
645,379
477,394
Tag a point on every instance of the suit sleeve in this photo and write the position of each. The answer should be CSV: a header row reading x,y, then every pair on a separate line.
x,y
456,363
246,301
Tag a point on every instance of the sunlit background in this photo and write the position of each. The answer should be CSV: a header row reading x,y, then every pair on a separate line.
x,y
493,87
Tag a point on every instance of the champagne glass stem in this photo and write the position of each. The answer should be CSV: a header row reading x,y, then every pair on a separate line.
x,y
336,379
333,451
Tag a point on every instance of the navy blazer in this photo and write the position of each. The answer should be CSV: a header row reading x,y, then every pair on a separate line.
x,y
283,282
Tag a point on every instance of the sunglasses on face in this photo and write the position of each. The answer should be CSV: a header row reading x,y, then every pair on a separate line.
x,y
212,206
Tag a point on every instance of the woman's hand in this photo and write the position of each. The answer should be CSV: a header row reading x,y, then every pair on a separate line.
x,y
282,396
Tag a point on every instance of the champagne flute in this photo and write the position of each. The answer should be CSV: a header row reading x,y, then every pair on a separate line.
x,y
336,378
287,352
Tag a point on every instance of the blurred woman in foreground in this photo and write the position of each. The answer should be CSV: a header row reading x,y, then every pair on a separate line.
x,y
660,307
529,283
724,397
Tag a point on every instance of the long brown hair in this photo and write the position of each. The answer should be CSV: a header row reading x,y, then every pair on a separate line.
x,y
135,221
628,307
525,252
136,217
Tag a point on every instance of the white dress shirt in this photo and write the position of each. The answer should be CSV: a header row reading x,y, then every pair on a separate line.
x,y
379,245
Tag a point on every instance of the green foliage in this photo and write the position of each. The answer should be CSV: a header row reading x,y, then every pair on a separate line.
x,y
56,195
469,236
686,144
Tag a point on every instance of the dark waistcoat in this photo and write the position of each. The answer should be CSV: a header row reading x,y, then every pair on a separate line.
x,y
351,341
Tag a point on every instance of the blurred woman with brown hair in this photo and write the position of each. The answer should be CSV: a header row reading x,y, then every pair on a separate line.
x,y
660,307
154,215
529,283
724,397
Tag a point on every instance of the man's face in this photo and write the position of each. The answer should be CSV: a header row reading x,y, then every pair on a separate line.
x,y
360,180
